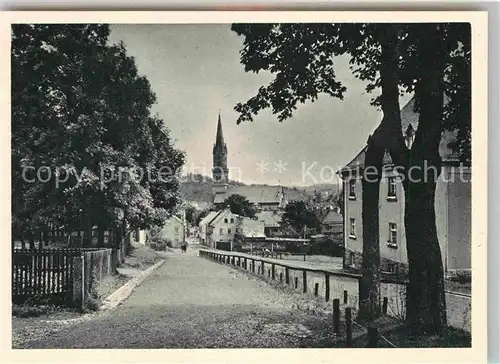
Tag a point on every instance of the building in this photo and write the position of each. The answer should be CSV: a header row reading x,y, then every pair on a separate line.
x,y
139,236
272,221
452,204
332,225
221,230
205,227
263,197
174,231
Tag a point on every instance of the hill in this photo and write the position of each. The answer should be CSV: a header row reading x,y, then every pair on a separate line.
x,y
198,189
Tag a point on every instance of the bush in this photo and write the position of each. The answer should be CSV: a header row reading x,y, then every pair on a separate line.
x,y
93,304
461,277
27,310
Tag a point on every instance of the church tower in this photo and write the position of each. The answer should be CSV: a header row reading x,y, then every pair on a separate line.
x,y
219,170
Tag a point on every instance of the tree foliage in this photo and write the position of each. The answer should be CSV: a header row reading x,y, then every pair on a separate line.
x,y
302,57
428,60
82,120
300,217
239,205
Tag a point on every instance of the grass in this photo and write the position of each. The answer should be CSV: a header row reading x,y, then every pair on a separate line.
x,y
460,287
27,310
141,257
451,338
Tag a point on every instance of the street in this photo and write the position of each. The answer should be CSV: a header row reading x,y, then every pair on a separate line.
x,y
190,302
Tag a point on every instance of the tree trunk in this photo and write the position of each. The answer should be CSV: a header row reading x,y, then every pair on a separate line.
x,y
425,303
384,137
369,285
100,235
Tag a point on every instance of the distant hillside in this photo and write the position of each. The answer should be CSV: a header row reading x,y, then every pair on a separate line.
x,y
198,188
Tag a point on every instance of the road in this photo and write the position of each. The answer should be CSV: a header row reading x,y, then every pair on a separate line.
x,y
190,302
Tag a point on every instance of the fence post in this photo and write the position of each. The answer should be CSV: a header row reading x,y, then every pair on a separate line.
x,y
281,276
316,287
345,296
384,306
304,281
296,282
327,287
287,275
78,282
372,336
262,267
336,316
348,326
272,271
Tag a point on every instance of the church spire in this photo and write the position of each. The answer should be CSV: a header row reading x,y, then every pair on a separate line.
x,y
219,139
219,170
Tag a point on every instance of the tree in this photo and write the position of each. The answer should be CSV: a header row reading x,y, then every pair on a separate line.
x,y
239,205
200,216
190,214
82,114
387,56
300,217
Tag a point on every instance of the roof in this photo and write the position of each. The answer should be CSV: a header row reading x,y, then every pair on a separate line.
x,y
251,228
333,217
269,218
254,194
208,219
222,213
409,117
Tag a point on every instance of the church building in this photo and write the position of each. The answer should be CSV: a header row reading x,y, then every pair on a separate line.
x,y
262,196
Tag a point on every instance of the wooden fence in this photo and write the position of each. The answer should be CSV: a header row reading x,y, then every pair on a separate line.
x,y
59,276
330,283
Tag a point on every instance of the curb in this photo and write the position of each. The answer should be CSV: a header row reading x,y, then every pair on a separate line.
x,y
118,296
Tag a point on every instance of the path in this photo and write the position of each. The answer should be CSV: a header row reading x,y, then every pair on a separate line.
x,y
190,302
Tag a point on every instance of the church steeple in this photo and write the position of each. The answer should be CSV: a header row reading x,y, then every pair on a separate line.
x,y
219,170
219,138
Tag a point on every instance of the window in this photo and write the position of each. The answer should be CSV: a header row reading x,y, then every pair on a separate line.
x,y
232,220
229,231
393,235
352,191
221,231
225,221
176,229
391,267
352,260
352,230
391,188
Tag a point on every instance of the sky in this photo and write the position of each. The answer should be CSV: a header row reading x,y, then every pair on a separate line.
x,y
195,72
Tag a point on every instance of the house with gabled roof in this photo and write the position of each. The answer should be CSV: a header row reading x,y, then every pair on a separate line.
x,y
452,205
204,226
221,230
332,224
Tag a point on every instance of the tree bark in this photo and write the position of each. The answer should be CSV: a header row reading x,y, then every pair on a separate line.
x,y
425,298
425,303
369,284
384,137
100,235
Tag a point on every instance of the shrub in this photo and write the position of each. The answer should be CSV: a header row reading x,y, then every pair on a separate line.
x,y
461,277
93,304
27,310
